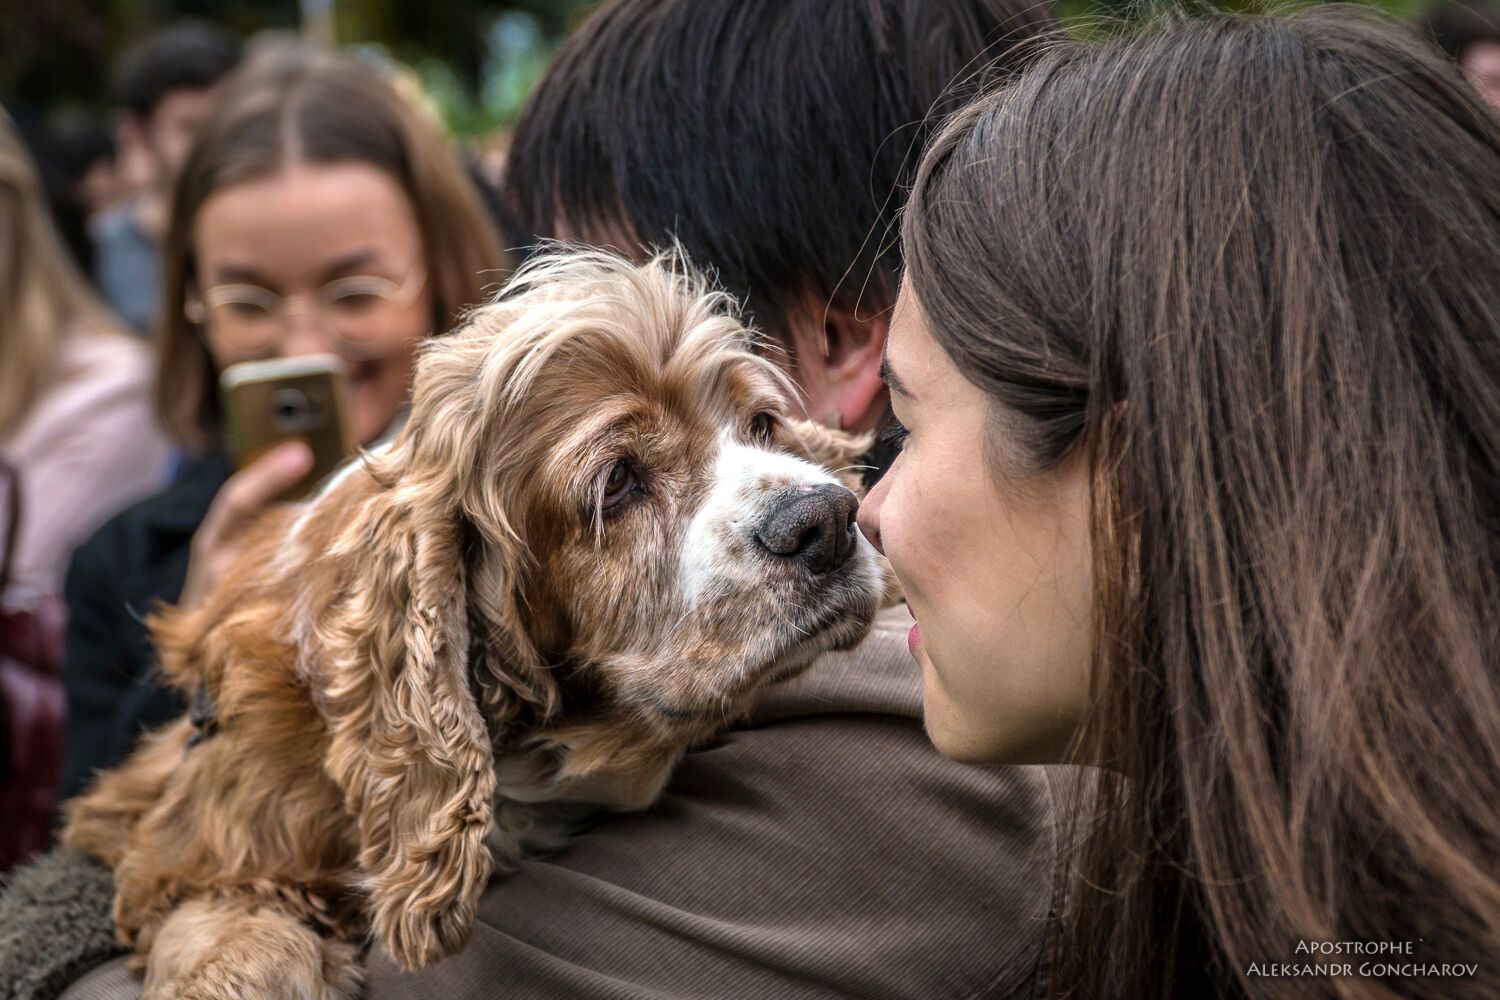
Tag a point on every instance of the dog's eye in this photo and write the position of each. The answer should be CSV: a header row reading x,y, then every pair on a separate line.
x,y
761,426
621,483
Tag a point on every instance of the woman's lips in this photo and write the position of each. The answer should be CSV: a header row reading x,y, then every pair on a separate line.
x,y
914,638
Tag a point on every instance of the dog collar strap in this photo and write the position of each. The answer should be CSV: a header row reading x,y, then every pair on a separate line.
x,y
205,721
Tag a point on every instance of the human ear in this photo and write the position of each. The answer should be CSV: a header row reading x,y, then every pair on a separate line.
x,y
838,367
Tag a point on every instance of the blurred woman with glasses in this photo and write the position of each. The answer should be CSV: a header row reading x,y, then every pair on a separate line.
x,y
318,213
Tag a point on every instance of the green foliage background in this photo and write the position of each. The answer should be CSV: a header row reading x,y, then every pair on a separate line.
x,y
476,59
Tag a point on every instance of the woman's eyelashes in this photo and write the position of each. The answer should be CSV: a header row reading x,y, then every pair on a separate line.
x,y
894,436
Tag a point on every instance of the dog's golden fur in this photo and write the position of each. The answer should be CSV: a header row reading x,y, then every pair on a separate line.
x,y
405,669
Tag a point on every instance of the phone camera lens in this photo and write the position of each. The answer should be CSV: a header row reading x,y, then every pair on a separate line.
x,y
291,410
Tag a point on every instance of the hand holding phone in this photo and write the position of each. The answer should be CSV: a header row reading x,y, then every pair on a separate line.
x,y
244,495
288,399
286,430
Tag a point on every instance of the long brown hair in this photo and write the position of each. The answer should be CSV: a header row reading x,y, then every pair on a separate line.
x,y
293,104
1250,266
43,298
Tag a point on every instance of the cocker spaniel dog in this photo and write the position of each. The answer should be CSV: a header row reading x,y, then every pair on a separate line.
x,y
597,540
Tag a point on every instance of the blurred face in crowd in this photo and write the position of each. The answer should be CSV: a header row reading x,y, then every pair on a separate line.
x,y
995,565
168,132
1481,64
99,186
317,259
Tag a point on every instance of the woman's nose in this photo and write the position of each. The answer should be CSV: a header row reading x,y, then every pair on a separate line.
x,y
303,333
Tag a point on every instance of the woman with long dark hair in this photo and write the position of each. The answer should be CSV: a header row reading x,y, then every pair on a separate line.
x,y
1199,356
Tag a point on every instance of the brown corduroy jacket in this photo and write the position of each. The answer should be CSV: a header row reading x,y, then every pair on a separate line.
x,y
822,850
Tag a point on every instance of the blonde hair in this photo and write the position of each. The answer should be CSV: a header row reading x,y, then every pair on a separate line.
x,y
42,295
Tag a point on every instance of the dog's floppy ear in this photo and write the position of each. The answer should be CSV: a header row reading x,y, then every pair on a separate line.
x,y
840,452
409,746
409,749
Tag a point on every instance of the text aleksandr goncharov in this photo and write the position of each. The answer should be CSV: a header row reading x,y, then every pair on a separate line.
x,y
1367,959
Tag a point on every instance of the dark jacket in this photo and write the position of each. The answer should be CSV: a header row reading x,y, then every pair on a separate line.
x,y
129,567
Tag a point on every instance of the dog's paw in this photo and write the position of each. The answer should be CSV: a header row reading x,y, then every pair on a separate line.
x,y
137,909
216,984
416,935
422,902
235,949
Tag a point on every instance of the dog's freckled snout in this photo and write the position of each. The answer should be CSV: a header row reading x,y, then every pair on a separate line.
x,y
812,524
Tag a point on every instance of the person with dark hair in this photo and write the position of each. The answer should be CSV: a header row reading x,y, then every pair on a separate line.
x,y
85,151
771,142
163,87
75,160
821,848
1197,361
1469,31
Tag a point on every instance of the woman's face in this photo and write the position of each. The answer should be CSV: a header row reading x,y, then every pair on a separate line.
x,y
995,564
318,259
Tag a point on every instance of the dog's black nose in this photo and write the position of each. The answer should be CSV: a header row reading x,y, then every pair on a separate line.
x,y
814,524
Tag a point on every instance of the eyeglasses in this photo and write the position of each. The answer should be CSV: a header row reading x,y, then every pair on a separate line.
x,y
357,310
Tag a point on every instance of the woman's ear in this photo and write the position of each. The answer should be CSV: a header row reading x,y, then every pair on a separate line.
x,y
409,747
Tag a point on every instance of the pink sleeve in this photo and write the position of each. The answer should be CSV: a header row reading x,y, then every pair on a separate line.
x,y
89,448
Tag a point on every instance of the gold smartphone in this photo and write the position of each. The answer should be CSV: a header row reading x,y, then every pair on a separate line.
x,y
288,399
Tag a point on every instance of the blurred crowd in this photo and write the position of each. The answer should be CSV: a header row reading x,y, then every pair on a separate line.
x,y
108,394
